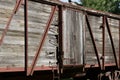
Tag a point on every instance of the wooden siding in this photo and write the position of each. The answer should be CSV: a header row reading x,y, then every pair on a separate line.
x,y
96,23
12,49
73,34
76,37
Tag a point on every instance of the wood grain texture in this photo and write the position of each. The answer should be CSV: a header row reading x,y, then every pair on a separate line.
x,y
12,49
77,40
96,23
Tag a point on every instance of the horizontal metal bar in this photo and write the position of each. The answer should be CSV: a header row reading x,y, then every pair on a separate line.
x,y
81,8
96,65
39,68
44,68
21,69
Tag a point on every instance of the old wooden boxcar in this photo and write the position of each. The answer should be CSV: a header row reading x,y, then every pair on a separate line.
x,y
48,39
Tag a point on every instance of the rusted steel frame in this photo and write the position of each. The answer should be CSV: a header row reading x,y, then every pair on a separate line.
x,y
9,21
60,40
93,41
21,69
26,35
119,44
111,39
96,65
91,11
42,40
103,46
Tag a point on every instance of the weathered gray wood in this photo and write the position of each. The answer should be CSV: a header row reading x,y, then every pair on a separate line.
x,y
77,41
95,23
73,34
12,49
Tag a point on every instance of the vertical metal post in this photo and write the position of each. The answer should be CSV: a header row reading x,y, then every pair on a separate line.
x,y
103,47
119,44
26,34
93,41
60,40
111,39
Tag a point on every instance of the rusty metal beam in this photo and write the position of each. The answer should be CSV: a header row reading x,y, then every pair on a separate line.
x,y
42,40
103,47
111,39
93,41
21,69
26,35
119,44
19,2
60,40
67,5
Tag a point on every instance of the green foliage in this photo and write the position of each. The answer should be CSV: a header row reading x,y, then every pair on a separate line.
x,y
104,5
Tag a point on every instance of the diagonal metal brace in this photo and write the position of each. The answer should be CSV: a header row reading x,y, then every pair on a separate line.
x,y
112,42
17,6
42,40
93,41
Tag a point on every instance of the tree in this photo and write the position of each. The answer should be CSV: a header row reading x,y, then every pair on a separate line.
x,y
104,5
117,8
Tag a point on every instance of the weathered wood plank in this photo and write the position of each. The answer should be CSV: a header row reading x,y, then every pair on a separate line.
x,y
12,49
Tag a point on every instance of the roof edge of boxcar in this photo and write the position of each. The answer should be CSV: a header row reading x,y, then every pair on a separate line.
x,y
78,7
